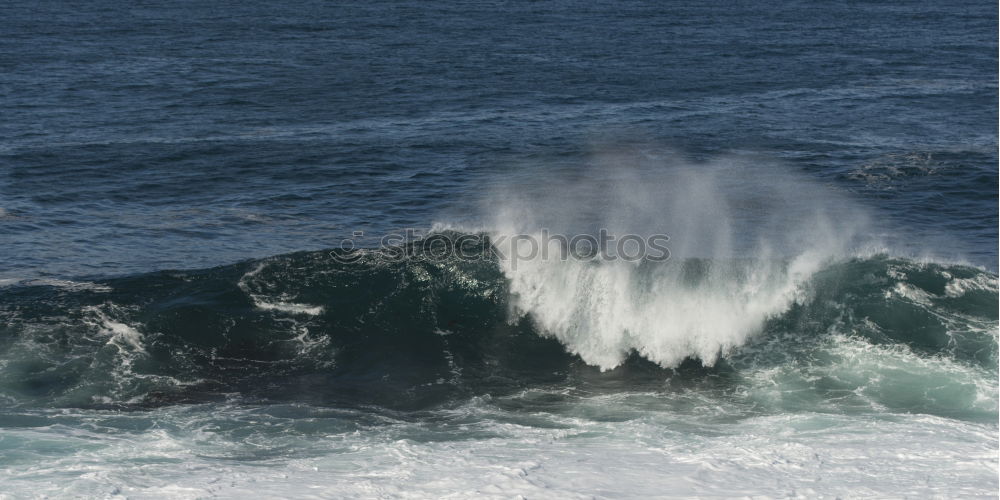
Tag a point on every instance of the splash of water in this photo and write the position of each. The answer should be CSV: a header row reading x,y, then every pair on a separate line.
x,y
745,237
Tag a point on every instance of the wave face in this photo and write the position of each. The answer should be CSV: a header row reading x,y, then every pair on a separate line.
x,y
859,334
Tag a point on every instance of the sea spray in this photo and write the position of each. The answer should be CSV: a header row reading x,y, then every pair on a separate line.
x,y
745,237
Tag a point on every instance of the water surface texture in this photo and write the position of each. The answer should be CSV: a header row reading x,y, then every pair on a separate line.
x,y
177,318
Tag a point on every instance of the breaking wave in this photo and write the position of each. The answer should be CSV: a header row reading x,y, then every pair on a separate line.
x,y
869,332
774,298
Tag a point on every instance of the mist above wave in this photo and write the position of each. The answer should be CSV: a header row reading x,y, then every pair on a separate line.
x,y
745,236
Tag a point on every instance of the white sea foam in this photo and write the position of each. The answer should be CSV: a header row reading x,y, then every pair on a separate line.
x,y
604,311
958,287
126,338
745,239
661,454
73,286
129,347
288,307
248,283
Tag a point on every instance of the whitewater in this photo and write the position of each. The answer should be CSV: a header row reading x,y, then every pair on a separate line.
x,y
543,250
777,354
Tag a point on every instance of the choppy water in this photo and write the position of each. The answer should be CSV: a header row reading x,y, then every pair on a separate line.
x,y
176,321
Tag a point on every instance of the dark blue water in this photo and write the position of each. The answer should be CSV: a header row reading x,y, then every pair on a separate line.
x,y
174,175
182,134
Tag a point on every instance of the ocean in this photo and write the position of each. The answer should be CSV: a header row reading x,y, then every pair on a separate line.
x,y
538,249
